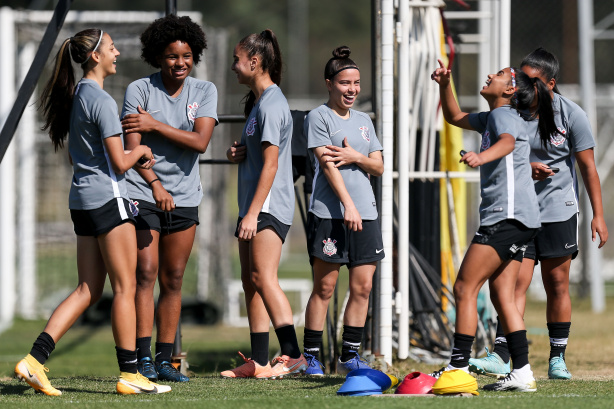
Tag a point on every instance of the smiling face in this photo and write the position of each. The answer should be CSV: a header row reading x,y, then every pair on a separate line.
x,y
498,85
243,65
107,54
343,89
176,61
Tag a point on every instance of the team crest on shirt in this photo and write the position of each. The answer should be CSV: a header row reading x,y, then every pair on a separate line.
x,y
485,141
365,133
558,138
329,247
192,108
251,127
134,207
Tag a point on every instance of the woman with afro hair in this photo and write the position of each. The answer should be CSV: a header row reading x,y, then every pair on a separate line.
x,y
174,114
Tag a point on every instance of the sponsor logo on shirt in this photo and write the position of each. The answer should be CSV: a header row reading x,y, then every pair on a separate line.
x,y
251,127
192,108
329,247
485,141
569,203
365,133
335,133
558,138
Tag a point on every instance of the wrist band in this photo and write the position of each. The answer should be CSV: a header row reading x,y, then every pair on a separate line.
x,y
150,182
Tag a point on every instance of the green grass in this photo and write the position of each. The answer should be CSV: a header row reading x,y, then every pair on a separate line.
x,y
83,366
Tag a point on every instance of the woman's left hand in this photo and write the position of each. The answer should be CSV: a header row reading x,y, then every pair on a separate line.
x,y
140,123
342,156
248,227
472,159
598,226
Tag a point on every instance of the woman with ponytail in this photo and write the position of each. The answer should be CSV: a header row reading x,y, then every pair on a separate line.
x,y
509,213
102,215
266,206
174,114
343,226
552,162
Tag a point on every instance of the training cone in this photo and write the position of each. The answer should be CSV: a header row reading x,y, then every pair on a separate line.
x,y
383,380
455,381
416,383
359,386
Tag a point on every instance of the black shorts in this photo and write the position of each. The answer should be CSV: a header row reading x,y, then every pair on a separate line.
x,y
268,220
509,238
104,219
152,218
557,239
330,240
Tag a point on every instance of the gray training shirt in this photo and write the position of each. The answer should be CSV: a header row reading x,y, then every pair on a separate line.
x,y
324,127
270,121
93,117
506,185
558,195
176,167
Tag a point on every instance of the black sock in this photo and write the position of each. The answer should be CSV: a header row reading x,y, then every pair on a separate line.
x,y
260,347
559,334
42,347
461,350
312,342
126,360
287,341
352,337
163,352
143,348
519,348
501,343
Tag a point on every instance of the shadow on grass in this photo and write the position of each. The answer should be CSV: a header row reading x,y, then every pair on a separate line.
x,y
22,388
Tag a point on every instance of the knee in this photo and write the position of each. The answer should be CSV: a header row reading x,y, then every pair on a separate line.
x,y
256,281
146,274
461,292
324,290
171,280
89,295
361,289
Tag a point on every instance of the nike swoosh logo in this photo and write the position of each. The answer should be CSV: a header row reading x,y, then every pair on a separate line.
x,y
153,390
29,374
259,221
378,251
567,246
292,367
336,132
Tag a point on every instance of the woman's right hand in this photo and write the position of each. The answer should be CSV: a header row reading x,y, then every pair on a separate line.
x,y
352,219
146,160
540,171
236,153
164,200
441,75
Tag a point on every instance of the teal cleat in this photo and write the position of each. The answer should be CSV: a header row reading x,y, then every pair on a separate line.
x,y
557,369
490,365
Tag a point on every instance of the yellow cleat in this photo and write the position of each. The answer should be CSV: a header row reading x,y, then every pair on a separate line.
x,y
131,384
33,372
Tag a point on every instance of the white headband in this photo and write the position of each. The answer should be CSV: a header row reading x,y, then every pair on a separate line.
x,y
95,48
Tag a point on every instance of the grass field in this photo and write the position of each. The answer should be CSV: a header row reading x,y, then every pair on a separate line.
x,y
83,367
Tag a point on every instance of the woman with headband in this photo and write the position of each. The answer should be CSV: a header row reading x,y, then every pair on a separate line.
x,y
343,227
101,212
509,213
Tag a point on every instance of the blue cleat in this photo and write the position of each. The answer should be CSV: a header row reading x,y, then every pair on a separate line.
x,y
557,369
146,368
167,372
490,365
315,367
354,363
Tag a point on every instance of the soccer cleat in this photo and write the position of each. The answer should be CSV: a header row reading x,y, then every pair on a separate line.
x,y
314,367
250,369
513,382
557,369
490,365
285,366
33,372
135,383
167,372
438,373
147,368
351,364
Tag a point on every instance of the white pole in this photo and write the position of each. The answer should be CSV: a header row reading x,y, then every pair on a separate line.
x,y
27,197
505,33
7,172
403,96
387,98
484,57
591,258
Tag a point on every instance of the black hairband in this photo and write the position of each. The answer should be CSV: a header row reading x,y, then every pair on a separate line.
x,y
341,69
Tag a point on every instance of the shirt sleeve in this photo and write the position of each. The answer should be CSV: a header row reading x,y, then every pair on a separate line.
x,y
581,135
271,122
374,143
134,97
505,121
478,121
208,103
316,130
105,117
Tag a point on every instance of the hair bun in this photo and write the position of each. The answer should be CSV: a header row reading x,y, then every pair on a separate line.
x,y
341,52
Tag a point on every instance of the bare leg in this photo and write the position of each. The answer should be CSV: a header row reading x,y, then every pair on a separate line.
x,y
324,281
503,285
146,275
361,280
555,275
257,314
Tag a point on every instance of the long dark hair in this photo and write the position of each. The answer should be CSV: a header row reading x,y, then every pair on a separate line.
x,y
527,89
340,61
266,46
56,99
545,62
